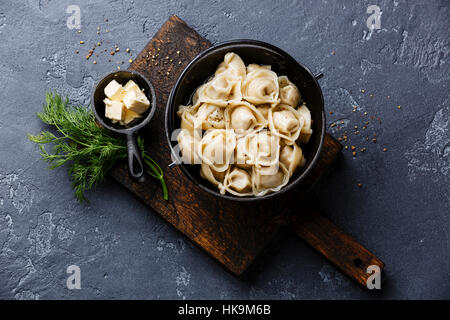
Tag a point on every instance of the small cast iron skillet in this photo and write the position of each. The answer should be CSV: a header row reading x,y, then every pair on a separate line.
x,y
135,164
251,51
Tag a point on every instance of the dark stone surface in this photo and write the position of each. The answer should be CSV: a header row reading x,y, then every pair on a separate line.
x,y
124,250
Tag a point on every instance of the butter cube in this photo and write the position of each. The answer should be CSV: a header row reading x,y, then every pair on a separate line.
x,y
114,110
130,116
131,85
107,102
114,91
136,101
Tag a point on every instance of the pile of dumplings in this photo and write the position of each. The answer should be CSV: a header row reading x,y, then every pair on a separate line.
x,y
245,127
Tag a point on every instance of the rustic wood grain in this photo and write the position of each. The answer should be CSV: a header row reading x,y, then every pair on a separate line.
x,y
231,232
338,247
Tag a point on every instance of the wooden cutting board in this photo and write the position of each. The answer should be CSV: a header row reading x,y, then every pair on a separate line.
x,y
233,233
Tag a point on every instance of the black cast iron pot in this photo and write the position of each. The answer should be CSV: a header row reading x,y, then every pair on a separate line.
x,y
251,51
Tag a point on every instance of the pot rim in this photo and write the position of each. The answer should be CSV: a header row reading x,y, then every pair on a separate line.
x,y
169,107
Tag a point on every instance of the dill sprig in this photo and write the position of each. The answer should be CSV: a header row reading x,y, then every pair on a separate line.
x,y
90,150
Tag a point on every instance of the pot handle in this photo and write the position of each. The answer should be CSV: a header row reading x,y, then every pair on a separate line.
x,y
337,246
172,164
135,163
318,76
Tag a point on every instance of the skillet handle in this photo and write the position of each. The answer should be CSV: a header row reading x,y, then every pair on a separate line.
x,y
337,246
135,163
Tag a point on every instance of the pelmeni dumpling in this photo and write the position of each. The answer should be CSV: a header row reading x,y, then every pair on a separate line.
x,y
220,90
215,177
265,183
262,148
306,132
196,96
187,115
292,157
210,116
264,109
285,122
241,158
289,93
251,124
188,147
232,66
238,182
253,67
261,86
243,118
201,116
216,148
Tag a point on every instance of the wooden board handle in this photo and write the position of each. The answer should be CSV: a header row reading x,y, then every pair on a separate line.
x,y
337,246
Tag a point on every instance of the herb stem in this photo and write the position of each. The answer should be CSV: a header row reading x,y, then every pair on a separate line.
x,y
157,173
90,149
69,137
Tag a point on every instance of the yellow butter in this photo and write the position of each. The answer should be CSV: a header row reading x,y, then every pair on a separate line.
x,y
131,85
114,110
114,91
136,101
130,116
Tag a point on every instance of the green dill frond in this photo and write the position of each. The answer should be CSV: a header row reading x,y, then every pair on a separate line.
x,y
91,150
